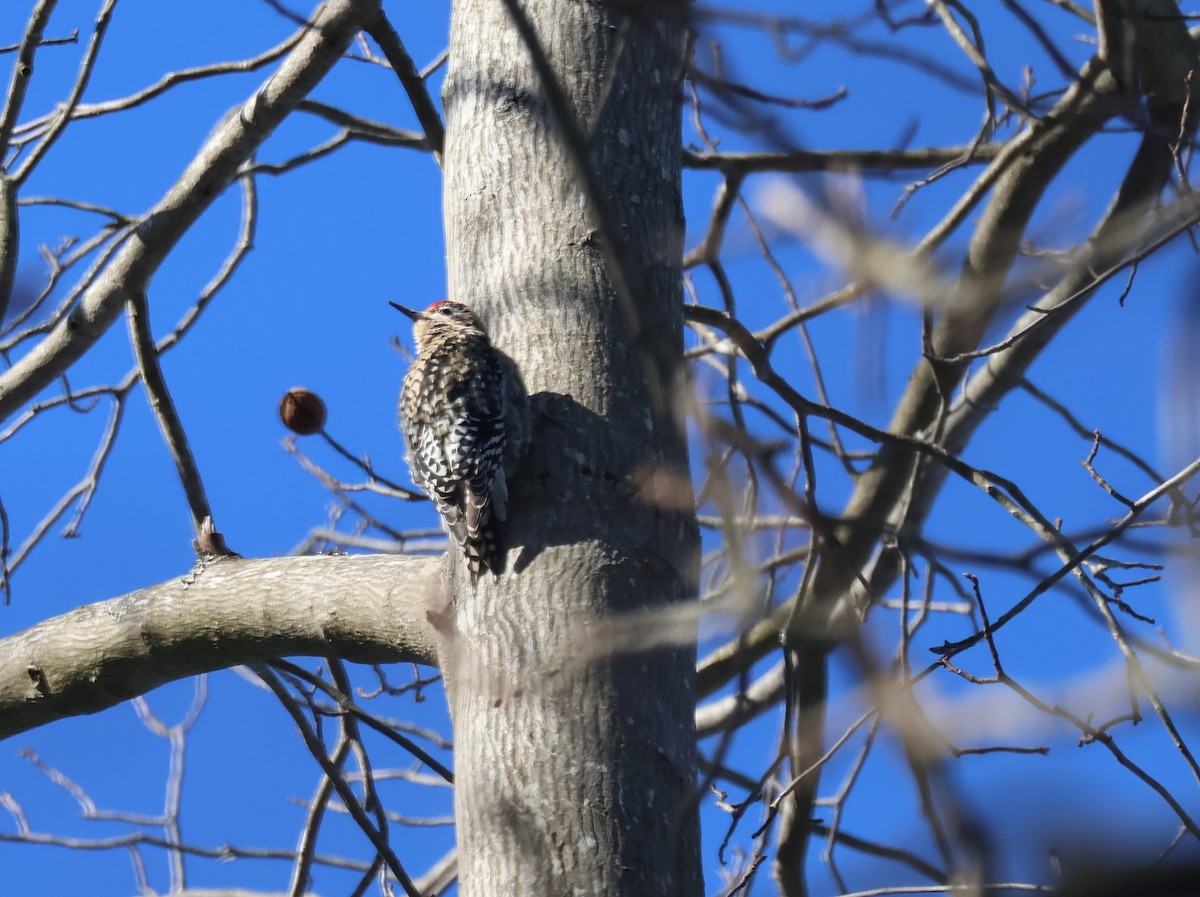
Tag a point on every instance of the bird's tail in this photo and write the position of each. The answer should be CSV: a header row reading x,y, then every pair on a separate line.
x,y
484,552
469,518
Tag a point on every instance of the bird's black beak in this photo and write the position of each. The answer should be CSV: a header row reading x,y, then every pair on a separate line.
x,y
415,315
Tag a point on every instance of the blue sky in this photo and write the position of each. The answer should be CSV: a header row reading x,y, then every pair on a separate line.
x,y
340,237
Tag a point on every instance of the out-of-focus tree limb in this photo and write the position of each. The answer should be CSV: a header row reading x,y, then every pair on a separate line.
x,y
884,496
794,161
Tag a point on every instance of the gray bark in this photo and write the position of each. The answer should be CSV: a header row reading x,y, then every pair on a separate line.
x,y
573,776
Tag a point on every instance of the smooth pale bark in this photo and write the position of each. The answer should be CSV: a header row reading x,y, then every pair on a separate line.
x,y
369,609
572,776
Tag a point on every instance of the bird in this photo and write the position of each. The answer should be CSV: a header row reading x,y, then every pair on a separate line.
x,y
464,413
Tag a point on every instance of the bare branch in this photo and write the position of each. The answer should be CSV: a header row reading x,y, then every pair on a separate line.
x,y
63,116
22,72
216,165
389,42
164,410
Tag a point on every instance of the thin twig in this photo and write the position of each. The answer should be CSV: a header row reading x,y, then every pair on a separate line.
x,y
163,406
389,42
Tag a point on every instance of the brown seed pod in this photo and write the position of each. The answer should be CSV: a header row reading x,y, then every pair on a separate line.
x,y
302,411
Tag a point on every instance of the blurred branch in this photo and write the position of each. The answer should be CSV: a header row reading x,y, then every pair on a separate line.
x,y
866,161
1075,424
732,711
973,48
441,876
883,498
1108,253
842,32
1091,733
720,85
1073,557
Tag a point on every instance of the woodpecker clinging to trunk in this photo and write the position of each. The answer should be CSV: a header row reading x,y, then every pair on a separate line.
x,y
465,417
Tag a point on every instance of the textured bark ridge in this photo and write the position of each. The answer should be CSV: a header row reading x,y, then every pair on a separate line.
x,y
574,776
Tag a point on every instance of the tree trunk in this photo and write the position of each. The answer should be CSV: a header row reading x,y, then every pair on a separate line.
x,y
573,776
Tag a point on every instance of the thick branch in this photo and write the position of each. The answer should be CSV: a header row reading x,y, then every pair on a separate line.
x,y
370,609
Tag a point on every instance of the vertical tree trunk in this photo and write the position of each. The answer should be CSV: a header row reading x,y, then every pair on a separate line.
x,y
572,777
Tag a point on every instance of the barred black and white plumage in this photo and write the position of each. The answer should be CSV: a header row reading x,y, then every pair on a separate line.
x,y
465,417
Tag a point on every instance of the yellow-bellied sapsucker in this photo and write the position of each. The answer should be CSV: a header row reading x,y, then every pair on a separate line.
x,y
465,417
